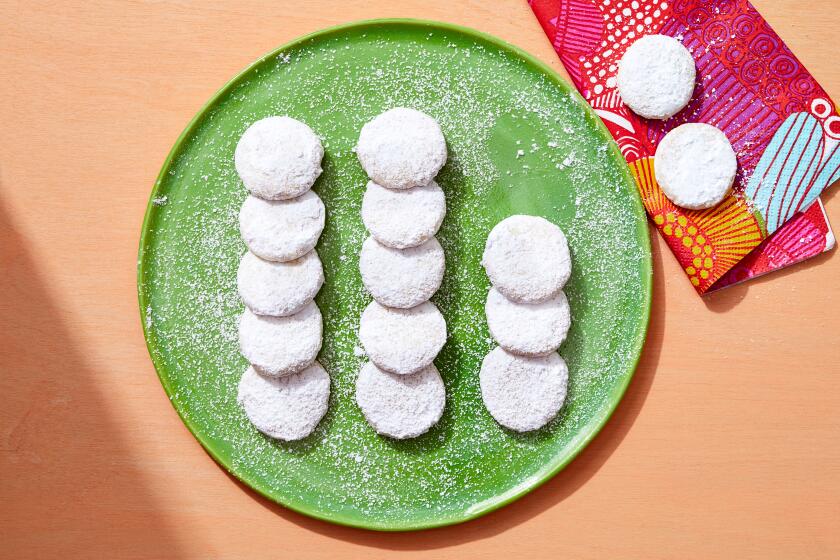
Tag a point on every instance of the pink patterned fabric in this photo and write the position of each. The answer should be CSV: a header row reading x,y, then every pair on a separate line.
x,y
753,88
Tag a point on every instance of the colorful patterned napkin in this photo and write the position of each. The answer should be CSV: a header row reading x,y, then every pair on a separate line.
x,y
781,123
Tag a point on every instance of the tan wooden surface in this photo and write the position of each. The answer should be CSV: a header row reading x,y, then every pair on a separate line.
x,y
727,444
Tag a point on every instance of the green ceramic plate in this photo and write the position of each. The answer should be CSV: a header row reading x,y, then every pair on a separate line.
x,y
520,141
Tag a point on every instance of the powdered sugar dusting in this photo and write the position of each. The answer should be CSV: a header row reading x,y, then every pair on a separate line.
x,y
344,470
532,329
402,277
288,407
402,341
403,218
400,406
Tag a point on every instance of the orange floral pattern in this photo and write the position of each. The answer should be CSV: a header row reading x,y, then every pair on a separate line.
x,y
751,83
707,242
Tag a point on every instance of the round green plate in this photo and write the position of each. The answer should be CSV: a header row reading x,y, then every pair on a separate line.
x,y
521,141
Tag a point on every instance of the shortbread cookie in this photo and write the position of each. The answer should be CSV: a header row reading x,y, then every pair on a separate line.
x,y
278,158
695,166
401,277
523,393
530,329
401,148
287,408
403,218
279,288
402,341
400,406
281,230
279,346
527,259
656,77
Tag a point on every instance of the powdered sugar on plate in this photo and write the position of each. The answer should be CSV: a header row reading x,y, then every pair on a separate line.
x,y
188,282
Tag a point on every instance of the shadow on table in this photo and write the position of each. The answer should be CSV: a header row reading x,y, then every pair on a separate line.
x,y
563,485
68,486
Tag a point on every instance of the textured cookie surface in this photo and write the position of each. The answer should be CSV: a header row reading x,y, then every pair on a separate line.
x,y
401,148
287,408
527,259
403,218
279,288
402,341
400,406
401,277
281,230
695,166
278,158
523,393
656,76
530,329
279,346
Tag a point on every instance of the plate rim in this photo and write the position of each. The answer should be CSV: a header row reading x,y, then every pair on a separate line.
x,y
594,426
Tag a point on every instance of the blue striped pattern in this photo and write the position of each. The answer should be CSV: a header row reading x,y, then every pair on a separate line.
x,y
793,170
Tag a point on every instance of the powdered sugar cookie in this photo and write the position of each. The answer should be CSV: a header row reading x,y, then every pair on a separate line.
x,y
281,230
520,392
530,329
400,406
278,158
656,76
287,408
695,165
403,218
527,259
402,341
279,288
401,148
401,277
279,346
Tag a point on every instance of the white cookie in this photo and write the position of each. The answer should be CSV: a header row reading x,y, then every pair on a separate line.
x,y
287,408
401,277
527,259
279,288
403,218
656,76
402,341
523,393
400,406
401,148
278,158
695,166
281,230
530,329
279,346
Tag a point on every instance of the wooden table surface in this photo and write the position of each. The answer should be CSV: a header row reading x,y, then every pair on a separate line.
x,y
727,444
